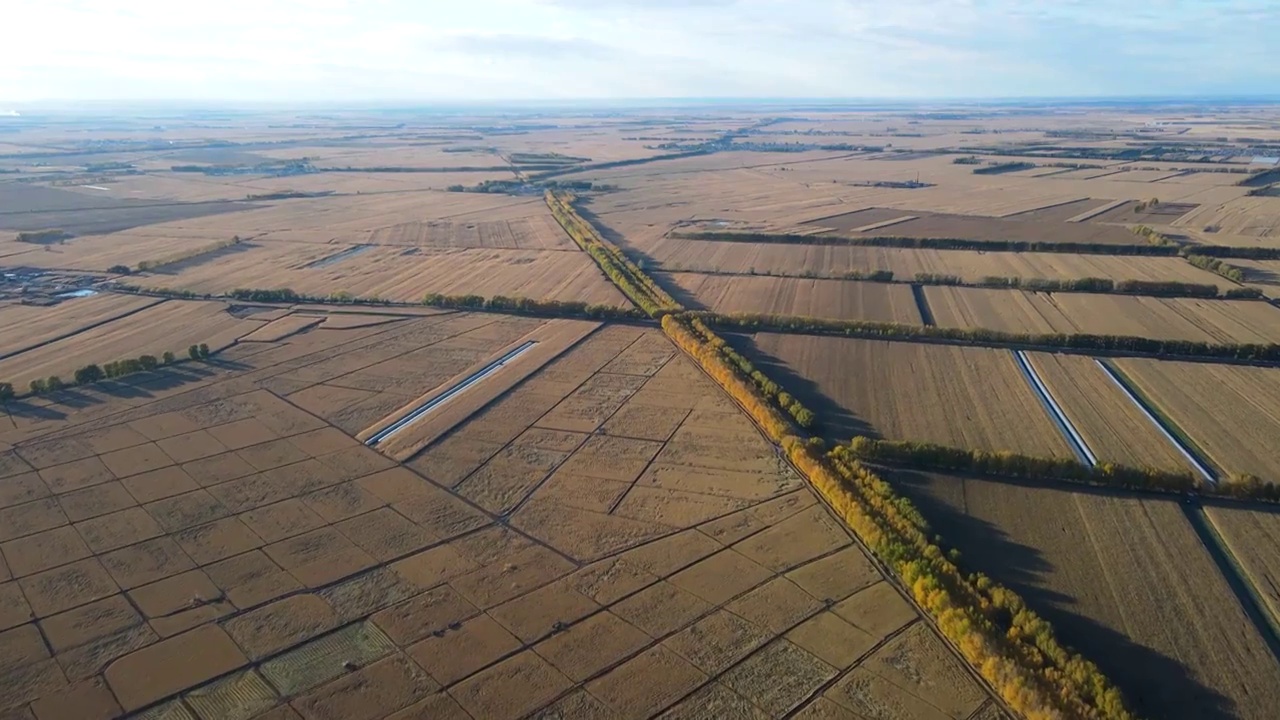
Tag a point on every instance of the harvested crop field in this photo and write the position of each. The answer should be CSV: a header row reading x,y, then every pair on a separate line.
x,y
611,537
539,232
958,396
167,326
1059,212
676,254
975,227
1231,412
1110,424
41,324
1020,311
401,274
1252,534
844,299
1160,214
1125,579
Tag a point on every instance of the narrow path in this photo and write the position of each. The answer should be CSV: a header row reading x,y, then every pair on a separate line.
x,y
1073,436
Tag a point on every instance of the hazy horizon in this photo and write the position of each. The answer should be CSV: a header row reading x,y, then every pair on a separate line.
x,y
337,51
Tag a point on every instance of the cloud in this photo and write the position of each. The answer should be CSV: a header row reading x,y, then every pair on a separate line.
x,y
491,49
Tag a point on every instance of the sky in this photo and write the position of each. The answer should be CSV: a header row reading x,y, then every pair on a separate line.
x,y
340,51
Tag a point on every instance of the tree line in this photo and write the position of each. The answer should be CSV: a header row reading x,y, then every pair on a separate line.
x,y
529,306
92,373
1214,265
1010,645
1245,352
784,400
633,282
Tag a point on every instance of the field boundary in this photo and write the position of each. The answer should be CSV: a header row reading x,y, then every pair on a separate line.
x,y
77,331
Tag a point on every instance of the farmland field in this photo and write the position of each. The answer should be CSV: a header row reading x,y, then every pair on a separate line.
x,y
41,324
957,396
398,273
844,299
1232,413
168,326
1126,578
611,535
674,254
1252,534
1111,425
973,227
1020,311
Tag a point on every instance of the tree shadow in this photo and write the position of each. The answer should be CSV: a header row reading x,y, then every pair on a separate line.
x,y
26,409
1154,684
838,422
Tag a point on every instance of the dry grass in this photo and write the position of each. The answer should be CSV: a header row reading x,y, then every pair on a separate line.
x,y
1111,425
1252,535
844,299
1232,413
957,396
1125,579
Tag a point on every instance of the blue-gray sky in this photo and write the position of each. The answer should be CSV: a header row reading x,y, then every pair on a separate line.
x,y
372,50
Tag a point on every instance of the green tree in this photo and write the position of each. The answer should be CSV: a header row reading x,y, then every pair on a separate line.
x,y
204,350
148,362
89,374
54,383
168,358
194,352
38,387
6,391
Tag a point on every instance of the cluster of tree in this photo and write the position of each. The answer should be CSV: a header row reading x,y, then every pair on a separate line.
x,y
1157,288
967,160
784,400
120,270
284,295
630,279
1234,251
529,306
1005,641
198,352
287,195
43,237
1145,205
1015,649
6,392
152,265
982,336
1007,167
895,241
1008,464
1214,265
1153,236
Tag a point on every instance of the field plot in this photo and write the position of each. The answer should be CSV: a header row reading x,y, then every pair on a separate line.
x,y
41,324
845,299
834,261
1232,413
32,207
958,396
610,537
532,233
1060,212
1126,580
1252,535
974,227
397,273
1161,214
1019,311
1111,425
99,252
168,326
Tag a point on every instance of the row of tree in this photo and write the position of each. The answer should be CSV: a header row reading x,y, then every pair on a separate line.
x,y
1245,352
557,308
1214,265
784,400
1012,647
153,265
1015,649
1010,464
630,279
92,373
